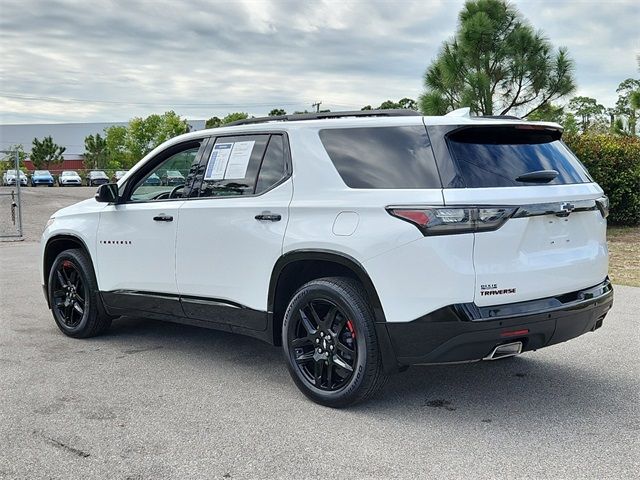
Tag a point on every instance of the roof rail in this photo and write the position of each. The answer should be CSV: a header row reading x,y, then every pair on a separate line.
x,y
397,112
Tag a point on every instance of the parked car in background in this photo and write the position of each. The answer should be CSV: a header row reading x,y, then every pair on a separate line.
x,y
152,180
69,177
172,178
118,175
9,178
42,177
96,177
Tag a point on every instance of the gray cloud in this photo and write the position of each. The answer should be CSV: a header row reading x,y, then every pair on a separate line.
x,y
206,58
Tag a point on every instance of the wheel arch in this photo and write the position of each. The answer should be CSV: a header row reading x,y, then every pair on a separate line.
x,y
54,246
295,268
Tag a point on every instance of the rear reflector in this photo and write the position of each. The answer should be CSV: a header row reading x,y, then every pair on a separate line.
x,y
514,333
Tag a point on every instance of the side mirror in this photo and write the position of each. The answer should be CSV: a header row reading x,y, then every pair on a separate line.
x,y
107,193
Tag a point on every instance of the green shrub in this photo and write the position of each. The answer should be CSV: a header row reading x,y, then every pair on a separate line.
x,y
614,162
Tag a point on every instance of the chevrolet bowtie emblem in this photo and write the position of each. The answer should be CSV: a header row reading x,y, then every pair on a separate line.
x,y
565,209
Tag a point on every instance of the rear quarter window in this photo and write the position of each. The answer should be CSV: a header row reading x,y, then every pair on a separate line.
x,y
496,156
382,157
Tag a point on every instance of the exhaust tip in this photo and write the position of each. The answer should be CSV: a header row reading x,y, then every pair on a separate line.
x,y
505,350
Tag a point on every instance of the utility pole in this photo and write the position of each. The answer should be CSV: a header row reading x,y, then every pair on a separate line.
x,y
317,105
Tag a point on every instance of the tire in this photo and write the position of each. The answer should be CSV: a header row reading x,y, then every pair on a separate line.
x,y
74,318
340,318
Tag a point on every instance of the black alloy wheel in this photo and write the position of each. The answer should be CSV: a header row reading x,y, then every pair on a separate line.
x,y
73,296
69,293
323,344
330,343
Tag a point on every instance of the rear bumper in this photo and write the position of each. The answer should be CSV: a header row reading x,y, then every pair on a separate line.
x,y
465,332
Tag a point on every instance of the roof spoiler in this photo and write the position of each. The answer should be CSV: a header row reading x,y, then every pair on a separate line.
x,y
465,112
460,112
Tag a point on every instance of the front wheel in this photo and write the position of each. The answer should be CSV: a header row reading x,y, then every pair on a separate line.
x,y
74,297
330,343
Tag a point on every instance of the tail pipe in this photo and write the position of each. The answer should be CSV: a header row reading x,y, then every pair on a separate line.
x,y
505,350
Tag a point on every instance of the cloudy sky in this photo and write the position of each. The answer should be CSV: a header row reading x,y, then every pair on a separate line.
x,y
72,61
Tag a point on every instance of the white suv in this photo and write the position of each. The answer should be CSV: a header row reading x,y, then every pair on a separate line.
x,y
9,178
362,242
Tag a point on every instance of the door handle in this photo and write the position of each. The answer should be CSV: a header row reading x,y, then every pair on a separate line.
x,y
163,218
268,216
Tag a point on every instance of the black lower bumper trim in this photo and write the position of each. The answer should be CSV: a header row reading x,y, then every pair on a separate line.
x,y
458,334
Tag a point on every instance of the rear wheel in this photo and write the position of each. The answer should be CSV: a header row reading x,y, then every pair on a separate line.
x,y
74,298
330,343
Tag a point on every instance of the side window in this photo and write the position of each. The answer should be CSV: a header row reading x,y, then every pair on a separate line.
x,y
382,157
273,167
232,166
167,180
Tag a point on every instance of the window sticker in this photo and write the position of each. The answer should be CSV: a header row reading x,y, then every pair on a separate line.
x,y
218,161
239,160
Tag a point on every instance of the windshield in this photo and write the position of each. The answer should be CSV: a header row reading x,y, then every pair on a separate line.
x,y
69,174
99,174
41,172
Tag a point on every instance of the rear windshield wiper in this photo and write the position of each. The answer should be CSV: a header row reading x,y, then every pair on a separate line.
x,y
539,176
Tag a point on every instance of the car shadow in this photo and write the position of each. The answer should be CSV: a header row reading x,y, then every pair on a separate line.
x,y
535,387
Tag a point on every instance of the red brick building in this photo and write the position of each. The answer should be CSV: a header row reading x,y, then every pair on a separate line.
x,y
71,162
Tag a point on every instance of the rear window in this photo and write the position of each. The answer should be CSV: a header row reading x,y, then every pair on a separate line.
x,y
495,157
232,166
382,157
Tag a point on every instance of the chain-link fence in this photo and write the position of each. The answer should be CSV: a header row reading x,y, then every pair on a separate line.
x,y
10,201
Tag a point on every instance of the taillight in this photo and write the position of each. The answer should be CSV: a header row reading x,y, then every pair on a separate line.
x,y
443,220
603,205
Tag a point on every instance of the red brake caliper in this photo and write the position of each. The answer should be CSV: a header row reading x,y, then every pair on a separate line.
x,y
351,329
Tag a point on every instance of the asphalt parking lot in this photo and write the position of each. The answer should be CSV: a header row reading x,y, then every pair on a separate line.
x,y
154,400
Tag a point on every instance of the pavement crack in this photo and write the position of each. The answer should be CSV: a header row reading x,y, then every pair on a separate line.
x,y
62,445
446,404
144,349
